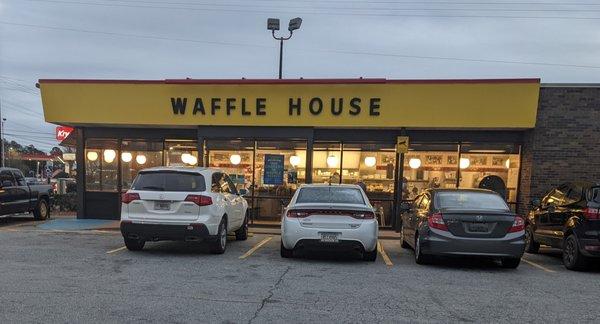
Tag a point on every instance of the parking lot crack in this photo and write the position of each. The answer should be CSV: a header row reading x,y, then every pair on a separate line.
x,y
269,295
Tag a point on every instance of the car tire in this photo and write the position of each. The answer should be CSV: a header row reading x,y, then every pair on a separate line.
x,y
286,253
531,246
370,256
420,258
403,243
134,245
41,212
242,233
572,257
510,263
219,245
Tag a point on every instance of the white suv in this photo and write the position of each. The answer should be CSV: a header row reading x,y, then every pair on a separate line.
x,y
183,204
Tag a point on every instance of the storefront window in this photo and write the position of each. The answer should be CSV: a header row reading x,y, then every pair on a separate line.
x,y
327,162
235,157
490,166
429,166
181,153
279,169
372,167
138,155
101,165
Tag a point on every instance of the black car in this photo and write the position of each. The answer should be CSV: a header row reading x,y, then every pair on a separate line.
x,y
463,222
567,218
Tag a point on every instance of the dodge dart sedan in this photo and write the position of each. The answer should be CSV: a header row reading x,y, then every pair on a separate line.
x,y
463,222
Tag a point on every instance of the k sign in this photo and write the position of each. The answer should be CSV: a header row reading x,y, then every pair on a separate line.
x,y
62,132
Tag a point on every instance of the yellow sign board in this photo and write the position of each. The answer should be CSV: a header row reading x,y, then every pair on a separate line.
x,y
402,144
327,103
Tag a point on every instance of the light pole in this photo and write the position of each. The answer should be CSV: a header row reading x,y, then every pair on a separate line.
x,y
273,25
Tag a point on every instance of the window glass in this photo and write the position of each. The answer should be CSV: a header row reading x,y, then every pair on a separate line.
x,y
19,178
101,164
330,194
469,200
424,204
224,184
417,201
429,166
555,197
181,153
7,176
169,181
230,185
327,163
235,157
136,156
216,183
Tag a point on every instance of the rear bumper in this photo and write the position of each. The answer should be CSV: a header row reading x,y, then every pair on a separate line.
x,y
294,235
160,232
443,243
590,247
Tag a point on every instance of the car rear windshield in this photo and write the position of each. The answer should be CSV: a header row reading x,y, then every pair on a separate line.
x,y
469,200
594,194
169,181
331,194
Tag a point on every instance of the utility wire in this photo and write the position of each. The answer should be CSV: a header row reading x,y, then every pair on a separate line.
x,y
207,10
458,59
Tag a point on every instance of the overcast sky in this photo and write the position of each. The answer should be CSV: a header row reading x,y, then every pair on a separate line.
x,y
153,39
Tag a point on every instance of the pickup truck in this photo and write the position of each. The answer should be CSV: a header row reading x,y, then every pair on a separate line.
x,y
19,197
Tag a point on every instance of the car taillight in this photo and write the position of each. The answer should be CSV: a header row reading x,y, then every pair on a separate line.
x,y
297,214
518,225
364,215
199,200
127,197
591,213
437,221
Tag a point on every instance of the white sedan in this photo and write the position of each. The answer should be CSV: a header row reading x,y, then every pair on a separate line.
x,y
183,204
329,216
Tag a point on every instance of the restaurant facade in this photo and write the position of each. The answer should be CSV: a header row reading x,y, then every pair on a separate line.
x,y
397,137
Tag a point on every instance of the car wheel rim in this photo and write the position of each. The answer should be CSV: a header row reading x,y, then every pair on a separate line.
x,y
43,210
223,237
569,252
418,247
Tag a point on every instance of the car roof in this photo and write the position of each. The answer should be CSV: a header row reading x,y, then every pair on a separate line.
x,y
434,190
182,169
343,185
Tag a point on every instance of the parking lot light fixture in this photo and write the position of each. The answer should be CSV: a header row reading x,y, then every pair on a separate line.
x,y
273,25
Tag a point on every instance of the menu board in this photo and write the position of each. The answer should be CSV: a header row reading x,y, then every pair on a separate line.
x,y
273,169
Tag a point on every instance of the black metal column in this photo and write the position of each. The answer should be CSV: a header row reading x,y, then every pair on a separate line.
x,y
80,159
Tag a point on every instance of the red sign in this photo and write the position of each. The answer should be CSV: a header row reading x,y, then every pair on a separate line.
x,y
62,132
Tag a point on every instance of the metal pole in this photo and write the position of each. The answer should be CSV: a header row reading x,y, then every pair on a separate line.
x,y
280,56
2,133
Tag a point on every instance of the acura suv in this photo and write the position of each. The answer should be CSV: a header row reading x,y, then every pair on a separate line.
x,y
183,204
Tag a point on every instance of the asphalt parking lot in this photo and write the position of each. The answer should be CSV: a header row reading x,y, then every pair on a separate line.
x,y
87,276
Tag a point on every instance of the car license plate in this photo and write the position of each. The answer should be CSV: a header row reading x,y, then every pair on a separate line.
x,y
161,205
329,237
478,227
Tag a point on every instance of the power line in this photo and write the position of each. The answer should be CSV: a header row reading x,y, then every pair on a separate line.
x,y
458,59
312,12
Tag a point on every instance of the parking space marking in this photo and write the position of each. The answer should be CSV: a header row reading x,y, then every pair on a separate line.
x,y
539,266
116,250
384,255
256,247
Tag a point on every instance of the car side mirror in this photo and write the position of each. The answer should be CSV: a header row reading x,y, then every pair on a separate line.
x,y
6,183
536,202
243,192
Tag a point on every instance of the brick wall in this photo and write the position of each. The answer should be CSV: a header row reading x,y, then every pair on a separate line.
x,y
565,144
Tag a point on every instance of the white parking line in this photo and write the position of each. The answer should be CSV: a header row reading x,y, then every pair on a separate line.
x,y
116,250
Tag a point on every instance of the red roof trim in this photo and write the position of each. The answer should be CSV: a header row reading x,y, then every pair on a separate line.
x,y
291,81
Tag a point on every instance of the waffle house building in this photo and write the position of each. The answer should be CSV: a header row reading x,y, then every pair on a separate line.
x,y
398,137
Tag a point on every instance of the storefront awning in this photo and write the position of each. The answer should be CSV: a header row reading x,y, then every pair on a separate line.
x,y
371,103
